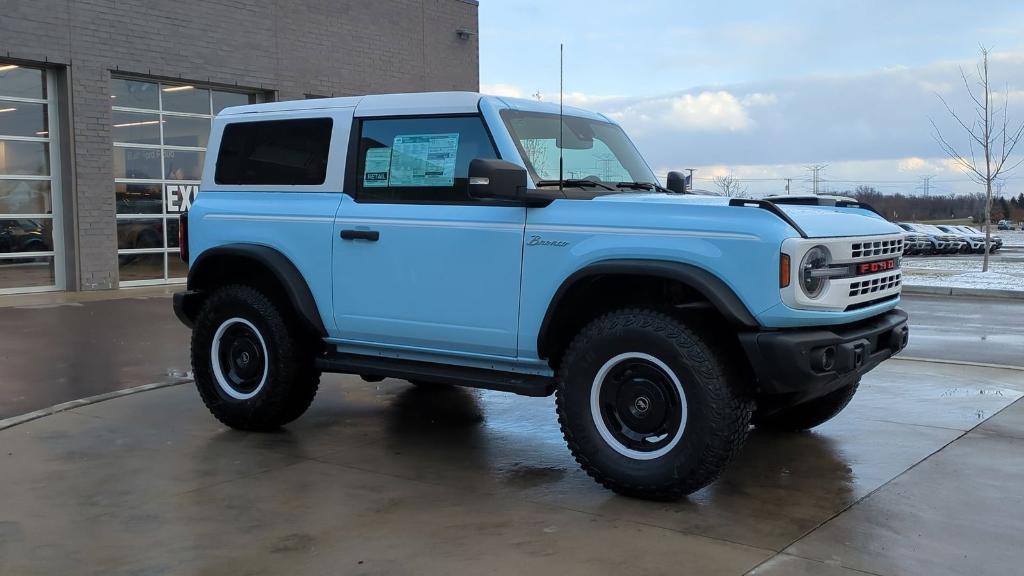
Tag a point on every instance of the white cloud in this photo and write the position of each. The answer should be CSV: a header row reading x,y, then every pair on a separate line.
x,y
705,111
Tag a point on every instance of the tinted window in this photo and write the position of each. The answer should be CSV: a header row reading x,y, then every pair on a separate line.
x,y
284,152
419,159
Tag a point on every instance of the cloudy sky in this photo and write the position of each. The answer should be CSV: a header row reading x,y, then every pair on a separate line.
x,y
760,90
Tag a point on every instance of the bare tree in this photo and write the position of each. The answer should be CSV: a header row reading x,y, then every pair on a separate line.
x,y
730,186
989,133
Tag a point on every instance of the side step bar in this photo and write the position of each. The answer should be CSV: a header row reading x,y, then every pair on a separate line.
x,y
374,366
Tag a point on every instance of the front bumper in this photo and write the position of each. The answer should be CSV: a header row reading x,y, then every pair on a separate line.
x,y
805,363
186,306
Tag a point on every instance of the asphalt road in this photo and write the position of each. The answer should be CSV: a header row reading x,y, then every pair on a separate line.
x,y
55,353
966,329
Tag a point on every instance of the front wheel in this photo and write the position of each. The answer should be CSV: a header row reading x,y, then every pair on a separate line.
x,y
254,370
647,406
808,414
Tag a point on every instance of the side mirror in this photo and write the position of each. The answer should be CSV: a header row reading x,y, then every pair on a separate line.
x,y
496,179
676,182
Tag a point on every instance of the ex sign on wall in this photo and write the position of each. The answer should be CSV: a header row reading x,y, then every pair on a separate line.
x,y
179,197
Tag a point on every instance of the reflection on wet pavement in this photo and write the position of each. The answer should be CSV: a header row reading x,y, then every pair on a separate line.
x,y
393,478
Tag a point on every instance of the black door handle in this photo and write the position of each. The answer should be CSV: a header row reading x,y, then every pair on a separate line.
x,y
371,235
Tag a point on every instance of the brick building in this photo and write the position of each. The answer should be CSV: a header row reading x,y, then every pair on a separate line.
x,y
105,109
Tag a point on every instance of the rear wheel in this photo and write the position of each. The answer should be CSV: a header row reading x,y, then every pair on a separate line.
x,y
647,406
254,370
808,414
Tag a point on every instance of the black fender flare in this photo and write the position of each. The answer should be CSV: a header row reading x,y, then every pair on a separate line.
x,y
287,275
705,283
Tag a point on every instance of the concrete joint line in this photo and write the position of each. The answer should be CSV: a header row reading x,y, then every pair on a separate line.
x,y
15,420
958,363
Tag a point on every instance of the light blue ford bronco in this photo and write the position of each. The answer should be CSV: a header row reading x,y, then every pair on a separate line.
x,y
460,239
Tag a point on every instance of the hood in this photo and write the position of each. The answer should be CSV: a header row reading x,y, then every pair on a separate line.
x,y
816,221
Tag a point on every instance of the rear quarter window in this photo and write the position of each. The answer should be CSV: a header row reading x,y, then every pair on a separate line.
x,y
277,152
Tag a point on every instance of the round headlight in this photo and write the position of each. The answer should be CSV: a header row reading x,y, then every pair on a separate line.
x,y
817,258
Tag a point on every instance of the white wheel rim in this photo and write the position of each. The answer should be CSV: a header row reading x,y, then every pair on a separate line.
x,y
602,427
218,372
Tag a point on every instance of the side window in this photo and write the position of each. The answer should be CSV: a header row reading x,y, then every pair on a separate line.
x,y
277,152
419,159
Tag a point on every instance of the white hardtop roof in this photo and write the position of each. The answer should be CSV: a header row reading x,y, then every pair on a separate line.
x,y
408,104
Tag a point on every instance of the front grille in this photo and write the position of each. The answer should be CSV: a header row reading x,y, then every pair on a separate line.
x,y
873,285
876,248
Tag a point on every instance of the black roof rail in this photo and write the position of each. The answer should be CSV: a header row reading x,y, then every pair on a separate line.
x,y
766,205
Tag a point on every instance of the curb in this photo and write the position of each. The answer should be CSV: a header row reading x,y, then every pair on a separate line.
x,y
958,363
964,292
15,420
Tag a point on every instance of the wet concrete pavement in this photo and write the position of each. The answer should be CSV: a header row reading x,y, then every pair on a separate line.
x,y
57,348
389,478
985,330
920,475
60,347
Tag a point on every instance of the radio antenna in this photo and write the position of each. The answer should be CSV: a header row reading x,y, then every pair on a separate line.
x,y
561,143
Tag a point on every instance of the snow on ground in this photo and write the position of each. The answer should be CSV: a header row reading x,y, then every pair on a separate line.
x,y
1006,268
1011,238
984,280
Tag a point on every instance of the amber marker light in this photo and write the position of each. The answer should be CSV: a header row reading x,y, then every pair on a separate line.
x,y
784,271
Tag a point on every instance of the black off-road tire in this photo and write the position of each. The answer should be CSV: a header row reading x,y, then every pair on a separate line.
x,y
808,414
717,413
291,379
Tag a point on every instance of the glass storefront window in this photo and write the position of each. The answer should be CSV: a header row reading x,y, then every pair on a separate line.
x,y
140,233
135,94
186,131
23,119
25,235
30,259
139,198
25,197
19,158
135,127
20,82
222,100
21,273
185,99
137,163
160,133
134,267
183,164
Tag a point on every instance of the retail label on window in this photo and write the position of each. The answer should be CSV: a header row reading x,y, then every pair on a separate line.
x,y
424,159
378,164
179,197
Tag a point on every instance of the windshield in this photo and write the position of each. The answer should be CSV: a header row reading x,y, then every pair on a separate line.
x,y
591,149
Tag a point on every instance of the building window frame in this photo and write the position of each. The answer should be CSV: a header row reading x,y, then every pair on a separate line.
x,y
55,216
168,252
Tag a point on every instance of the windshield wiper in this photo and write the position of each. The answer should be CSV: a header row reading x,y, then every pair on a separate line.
x,y
574,182
643,186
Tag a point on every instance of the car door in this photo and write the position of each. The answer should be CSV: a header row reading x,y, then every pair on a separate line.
x,y
419,264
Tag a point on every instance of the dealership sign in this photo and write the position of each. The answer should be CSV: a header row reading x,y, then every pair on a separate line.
x,y
179,197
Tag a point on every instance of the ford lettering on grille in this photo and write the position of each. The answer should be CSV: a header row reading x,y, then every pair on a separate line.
x,y
876,266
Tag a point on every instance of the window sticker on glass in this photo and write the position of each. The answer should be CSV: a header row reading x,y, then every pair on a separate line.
x,y
378,164
424,159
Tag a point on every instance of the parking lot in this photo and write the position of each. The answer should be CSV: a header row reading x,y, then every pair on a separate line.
x,y
920,474
963,270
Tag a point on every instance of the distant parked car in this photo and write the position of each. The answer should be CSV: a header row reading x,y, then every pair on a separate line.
x,y
1006,225
970,242
915,242
940,242
997,242
22,236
